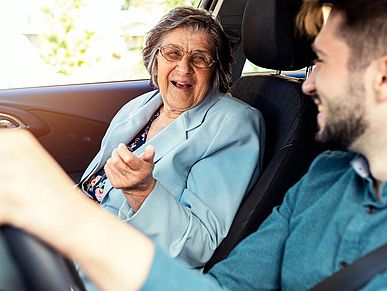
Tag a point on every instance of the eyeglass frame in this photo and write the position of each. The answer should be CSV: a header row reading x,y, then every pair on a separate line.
x,y
209,58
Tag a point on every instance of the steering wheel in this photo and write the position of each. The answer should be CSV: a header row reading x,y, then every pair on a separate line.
x,y
41,267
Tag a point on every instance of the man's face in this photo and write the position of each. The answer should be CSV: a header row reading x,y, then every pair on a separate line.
x,y
337,91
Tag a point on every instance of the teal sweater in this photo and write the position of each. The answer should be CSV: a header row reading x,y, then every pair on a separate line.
x,y
328,219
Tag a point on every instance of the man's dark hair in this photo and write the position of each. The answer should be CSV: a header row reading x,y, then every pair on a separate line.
x,y
364,26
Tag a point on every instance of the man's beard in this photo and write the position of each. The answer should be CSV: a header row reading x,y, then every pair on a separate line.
x,y
347,123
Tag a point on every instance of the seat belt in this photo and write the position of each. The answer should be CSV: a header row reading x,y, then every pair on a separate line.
x,y
357,274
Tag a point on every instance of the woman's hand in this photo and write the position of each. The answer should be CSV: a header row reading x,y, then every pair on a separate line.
x,y
131,174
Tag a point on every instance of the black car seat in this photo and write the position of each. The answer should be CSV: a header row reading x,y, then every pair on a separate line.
x,y
269,41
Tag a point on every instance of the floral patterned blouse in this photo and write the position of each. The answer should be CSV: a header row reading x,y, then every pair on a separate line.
x,y
95,184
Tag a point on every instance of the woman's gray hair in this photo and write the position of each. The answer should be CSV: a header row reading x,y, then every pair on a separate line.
x,y
195,19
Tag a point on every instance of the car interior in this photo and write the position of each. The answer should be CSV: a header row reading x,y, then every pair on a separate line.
x,y
269,41
261,31
69,120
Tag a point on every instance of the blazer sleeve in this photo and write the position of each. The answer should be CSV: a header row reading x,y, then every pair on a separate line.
x,y
192,226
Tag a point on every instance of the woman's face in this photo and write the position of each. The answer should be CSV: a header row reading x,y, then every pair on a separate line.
x,y
183,85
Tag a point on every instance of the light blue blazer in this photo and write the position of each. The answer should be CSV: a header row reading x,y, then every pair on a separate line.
x,y
205,162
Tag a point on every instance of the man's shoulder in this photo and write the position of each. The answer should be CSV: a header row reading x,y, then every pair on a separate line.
x,y
326,171
334,158
331,163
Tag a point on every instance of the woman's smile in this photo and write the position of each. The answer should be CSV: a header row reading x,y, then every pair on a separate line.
x,y
182,85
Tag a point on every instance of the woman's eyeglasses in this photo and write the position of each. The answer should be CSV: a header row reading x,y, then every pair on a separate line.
x,y
174,53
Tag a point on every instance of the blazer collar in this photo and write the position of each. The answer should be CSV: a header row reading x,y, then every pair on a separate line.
x,y
168,139
195,116
176,133
126,130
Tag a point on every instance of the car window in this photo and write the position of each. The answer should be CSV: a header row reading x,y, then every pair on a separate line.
x,y
52,42
251,69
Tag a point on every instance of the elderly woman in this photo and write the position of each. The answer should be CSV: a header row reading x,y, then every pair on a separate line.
x,y
176,162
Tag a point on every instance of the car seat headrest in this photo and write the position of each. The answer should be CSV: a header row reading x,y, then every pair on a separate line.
x,y
269,37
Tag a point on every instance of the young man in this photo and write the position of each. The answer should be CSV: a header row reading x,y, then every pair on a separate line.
x,y
334,215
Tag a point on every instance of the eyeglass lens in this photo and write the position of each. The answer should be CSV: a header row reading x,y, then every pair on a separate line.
x,y
174,53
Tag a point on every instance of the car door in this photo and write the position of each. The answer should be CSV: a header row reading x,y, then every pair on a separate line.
x,y
69,121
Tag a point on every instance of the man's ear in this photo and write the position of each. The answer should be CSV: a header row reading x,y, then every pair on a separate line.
x,y
381,79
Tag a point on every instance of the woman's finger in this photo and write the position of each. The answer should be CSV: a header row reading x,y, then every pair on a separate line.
x,y
134,163
149,154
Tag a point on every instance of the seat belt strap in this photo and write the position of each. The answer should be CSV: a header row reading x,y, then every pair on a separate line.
x,y
357,274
